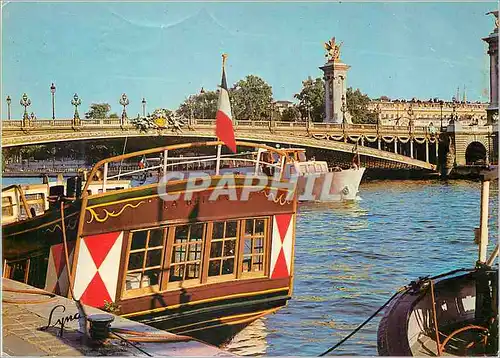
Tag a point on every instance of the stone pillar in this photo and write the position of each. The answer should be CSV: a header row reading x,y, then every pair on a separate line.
x,y
396,145
379,143
362,141
411,148
492,41
335,76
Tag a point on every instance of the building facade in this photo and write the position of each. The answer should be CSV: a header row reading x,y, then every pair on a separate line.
x,y
423,113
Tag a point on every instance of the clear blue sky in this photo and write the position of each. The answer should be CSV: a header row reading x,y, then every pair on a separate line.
x,y
167,51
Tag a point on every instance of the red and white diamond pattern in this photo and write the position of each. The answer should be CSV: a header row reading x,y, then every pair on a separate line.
x,y
57,275
97,268
281,251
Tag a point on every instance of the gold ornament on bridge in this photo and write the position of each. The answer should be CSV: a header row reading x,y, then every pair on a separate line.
x,y
495,13
332,50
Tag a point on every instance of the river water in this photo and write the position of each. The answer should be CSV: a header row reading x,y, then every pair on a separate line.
x,y
351,257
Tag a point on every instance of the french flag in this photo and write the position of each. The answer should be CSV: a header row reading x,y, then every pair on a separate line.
x,y
223,121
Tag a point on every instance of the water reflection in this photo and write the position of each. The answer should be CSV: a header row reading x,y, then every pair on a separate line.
x,y
351,257
251,341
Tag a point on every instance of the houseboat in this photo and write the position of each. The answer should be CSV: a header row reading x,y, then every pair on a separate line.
x,y
200,264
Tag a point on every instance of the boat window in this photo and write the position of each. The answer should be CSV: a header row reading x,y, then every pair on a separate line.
x,y
7,207
254,241
17,271
187,252
223,248
144,263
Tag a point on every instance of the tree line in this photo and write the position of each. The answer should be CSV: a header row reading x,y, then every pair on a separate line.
x,y
252,99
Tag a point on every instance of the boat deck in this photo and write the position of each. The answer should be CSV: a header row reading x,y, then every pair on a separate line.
x,y
23,331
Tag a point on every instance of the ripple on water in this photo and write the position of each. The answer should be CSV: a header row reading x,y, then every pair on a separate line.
x,y
351,257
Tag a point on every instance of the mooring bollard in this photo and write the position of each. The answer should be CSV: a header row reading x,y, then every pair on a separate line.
x,y
99,326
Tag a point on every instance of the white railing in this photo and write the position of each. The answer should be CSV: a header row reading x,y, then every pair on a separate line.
x,y
243,162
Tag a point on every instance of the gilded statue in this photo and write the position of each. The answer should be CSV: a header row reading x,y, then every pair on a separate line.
x,y
495,13
332,50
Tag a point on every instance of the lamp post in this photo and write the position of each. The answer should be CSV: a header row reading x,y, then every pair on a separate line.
x,y
343,108
76,102
378,111
53,92
441,106
308,117
8,107
124,102
454,112
143,107
410,116
25,102
202,92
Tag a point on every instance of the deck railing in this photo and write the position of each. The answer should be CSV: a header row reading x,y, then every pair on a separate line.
x,y
168,159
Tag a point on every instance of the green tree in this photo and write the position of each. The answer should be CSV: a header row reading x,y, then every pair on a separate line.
x,y
291,114
312,99
201,105
98,111
357,104
251,99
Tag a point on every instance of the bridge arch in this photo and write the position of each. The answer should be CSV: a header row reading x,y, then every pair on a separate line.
x,y
475,153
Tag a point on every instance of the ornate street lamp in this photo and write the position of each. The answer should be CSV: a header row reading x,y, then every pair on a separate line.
x,y
143,107
25,102
53,92
410,116
343,108
308,117
76,102
454,112
441,105
124,102
8,107
378,111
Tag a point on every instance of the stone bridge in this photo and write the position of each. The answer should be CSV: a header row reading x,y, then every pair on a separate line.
x,y
382,146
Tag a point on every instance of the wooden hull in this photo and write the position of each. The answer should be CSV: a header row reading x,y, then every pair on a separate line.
x,y
219,319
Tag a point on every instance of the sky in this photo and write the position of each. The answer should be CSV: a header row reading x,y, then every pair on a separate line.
x,y
165,51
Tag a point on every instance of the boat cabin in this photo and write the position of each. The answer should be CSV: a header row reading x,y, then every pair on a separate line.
x,y
204,261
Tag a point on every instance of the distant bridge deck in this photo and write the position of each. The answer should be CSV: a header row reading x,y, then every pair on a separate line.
x,y
335,137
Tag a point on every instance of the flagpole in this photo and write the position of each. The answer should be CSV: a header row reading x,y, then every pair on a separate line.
x,y
224,58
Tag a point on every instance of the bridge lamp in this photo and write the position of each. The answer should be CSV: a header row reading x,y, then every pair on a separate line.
x,y
9,100
53,92
25,102
124,102
76,101
378,111
343,108
143,107
441,106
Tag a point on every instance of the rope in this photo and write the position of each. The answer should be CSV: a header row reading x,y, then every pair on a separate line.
x,y
401,290
70,279
364,323
434,318
132,344
150,336
52,296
